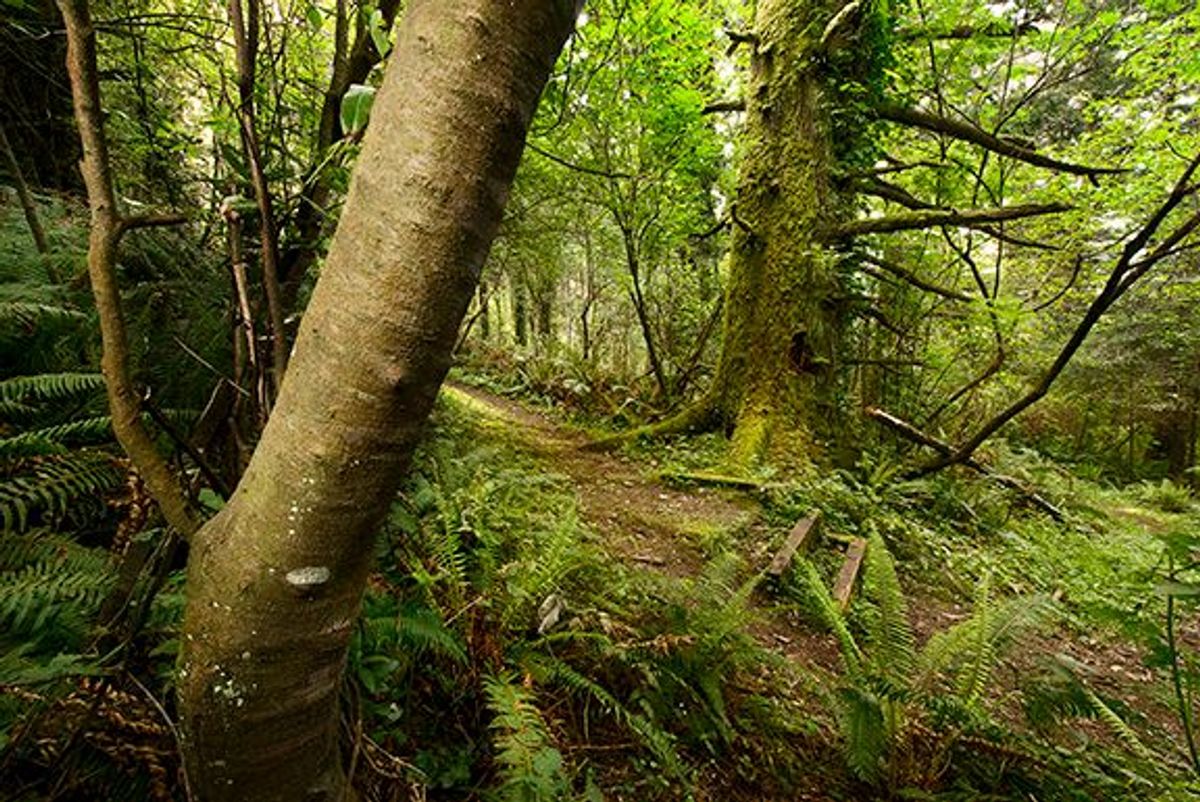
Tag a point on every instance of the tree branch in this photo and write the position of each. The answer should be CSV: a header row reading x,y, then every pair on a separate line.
x,y
911,278
972,218
579,168
1127,270
993,30
737,38
127,224
968,132
910,432
28,205
123,399
724,106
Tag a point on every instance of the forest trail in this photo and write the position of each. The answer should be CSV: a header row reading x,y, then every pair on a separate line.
x,y
652,525
639,518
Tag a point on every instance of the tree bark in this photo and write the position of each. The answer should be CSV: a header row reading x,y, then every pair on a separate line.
x,y
276,579
245,33
781,323
348,68
28,205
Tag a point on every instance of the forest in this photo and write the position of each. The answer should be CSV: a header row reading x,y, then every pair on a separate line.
x,y
585,400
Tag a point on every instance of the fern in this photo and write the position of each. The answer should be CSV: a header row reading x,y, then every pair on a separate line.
x,y
1066,696
529,765
553,669
422,629
49,586
49,386
53,439
865,736
992,627
891,637
30,314
827,608
53,486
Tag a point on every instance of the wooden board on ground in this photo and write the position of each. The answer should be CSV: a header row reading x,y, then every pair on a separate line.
x,y
844,587
801,536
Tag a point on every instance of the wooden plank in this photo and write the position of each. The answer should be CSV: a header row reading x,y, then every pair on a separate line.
x,y
796,541
844,587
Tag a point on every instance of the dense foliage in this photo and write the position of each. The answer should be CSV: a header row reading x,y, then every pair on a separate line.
x,y
1014,380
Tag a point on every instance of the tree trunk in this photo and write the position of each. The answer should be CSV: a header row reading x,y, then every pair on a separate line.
x,y
28,204
774,375
245,24
276,579
636,297
520,315
485,323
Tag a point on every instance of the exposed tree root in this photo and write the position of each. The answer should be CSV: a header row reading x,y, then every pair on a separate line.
x,y
703,416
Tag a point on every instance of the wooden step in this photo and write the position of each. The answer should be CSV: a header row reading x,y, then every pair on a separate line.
x,y
844,587
802,535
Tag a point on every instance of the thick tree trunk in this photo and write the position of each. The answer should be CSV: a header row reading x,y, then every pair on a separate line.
x,y
276,579
781,324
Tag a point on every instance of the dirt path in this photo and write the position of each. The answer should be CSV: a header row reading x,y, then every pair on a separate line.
x,y
640,518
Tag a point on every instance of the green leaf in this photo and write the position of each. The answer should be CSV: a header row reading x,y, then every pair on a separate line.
x,y
211,500
313,15
379,34
356,107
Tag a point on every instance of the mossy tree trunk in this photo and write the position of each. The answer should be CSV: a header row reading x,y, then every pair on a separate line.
x,y
775,374
276,579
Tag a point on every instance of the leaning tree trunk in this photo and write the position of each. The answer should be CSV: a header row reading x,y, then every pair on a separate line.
x,y
775,370
276,579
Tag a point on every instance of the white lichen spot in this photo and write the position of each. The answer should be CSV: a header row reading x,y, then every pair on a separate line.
x,y
245,655
310,576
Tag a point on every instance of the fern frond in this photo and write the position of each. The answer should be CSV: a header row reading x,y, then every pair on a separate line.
x,y
972,646
865,736
49,582
53,486
1117,724
530,767
29,314
656,739
422,629
49,386
893,647
52,439
832,616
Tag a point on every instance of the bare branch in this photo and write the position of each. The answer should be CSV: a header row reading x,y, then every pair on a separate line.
x,y
968,132
910,432
579,168
913,279
123,400
971,218
891,192
839,19
737,38
127,224
724,106
993,30
1127,270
